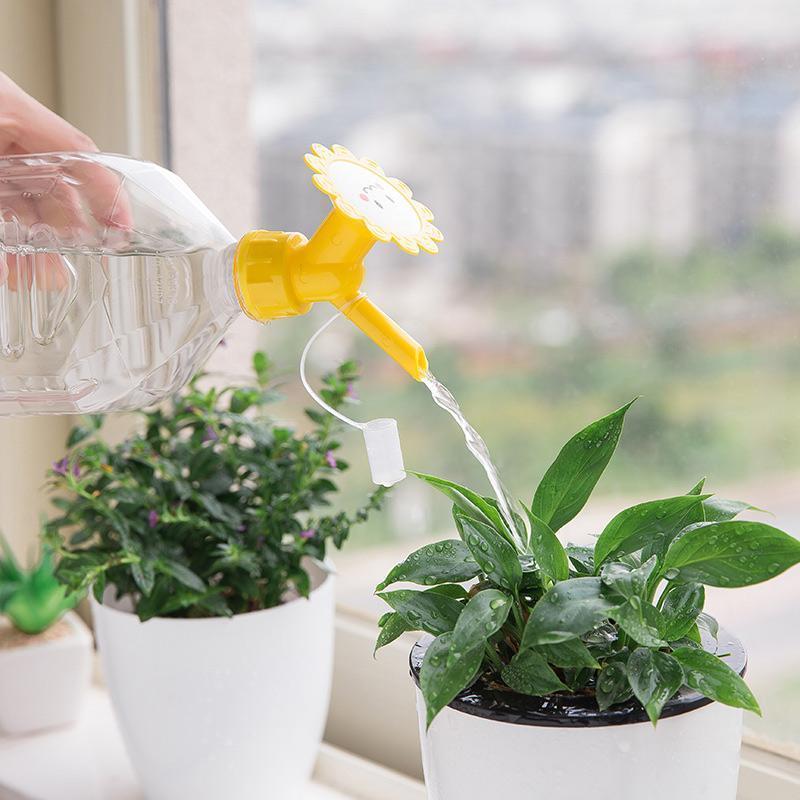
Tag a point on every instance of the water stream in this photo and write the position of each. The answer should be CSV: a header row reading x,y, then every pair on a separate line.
x,y
443,398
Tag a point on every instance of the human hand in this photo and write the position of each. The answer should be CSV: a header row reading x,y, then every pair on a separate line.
x,y
84,208
26,126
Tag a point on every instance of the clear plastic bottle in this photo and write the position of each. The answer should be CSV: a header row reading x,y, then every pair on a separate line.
x,y
116,282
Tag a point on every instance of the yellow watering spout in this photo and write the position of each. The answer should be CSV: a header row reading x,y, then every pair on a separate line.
x,y
281,274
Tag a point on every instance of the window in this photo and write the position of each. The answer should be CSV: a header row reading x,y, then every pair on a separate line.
x,y
617,194
619,199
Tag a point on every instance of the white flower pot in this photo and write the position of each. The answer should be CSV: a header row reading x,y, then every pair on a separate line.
x,y
43,682
489,743
222,708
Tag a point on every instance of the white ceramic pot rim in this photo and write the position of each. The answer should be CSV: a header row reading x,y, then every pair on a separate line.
x,y
562,710
319,573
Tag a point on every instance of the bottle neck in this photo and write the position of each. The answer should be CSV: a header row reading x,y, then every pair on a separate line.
x,y
219,279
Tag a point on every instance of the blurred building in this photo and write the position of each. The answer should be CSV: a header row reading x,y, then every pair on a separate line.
x,y
541,155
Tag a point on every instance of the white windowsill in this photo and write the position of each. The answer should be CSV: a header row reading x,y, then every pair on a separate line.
x,y
88,762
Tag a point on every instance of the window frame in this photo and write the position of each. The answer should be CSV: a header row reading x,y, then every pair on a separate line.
x,y
82,82
74,57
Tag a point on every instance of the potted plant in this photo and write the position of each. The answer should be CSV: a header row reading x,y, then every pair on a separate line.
x,y
546,669
204,541
45,648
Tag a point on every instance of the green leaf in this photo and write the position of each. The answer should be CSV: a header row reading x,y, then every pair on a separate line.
x,y
441,680
480,618
569,609
680,608
625,581
732,553
495,556
143,575
654,678
698,487
427,611
77,435
581,558
453,590
572,653
182,574
393,627
719,510
612,685
707,623
655,524
529,673
712,677
467,501
548,551
570,479
442,562
641,621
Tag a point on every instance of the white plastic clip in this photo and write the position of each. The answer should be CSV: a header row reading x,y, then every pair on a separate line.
x,y
381,436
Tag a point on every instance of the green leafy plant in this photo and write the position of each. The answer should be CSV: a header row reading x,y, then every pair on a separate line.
x,y
211,509
32,599
620,620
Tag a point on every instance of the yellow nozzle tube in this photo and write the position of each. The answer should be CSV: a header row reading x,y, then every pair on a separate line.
x,y
386,333
279,274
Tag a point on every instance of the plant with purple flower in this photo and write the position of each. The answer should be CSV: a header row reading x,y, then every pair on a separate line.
x,y
211,509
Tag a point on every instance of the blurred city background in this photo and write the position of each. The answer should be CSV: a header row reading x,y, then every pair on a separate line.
x,y
619,190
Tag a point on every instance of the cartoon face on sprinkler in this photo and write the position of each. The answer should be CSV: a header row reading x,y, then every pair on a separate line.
x,y
375,198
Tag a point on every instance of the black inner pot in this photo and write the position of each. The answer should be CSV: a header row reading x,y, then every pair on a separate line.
x,y
574,710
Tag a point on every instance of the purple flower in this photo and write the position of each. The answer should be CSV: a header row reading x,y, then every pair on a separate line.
x,y
210,435
152,519
330,459
61,467
76,469
351,391
309,533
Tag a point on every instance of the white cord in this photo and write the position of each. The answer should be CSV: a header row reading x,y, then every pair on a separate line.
x,y
360,425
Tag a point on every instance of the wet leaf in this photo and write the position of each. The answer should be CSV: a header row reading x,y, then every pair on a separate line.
x,y
680,608
393,626
548,551
468,502
719,510
625,581
654,678
495,556
572,653
732,553
654,524
712,677
441,562
698,487
641,621
581,558
529,673
569,609
612,685
441,680
481,618
570,479
426,611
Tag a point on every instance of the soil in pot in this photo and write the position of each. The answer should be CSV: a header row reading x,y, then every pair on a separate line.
x,y
492,700
11,638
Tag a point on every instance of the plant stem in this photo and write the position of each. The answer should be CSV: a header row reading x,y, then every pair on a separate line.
x,y
494,658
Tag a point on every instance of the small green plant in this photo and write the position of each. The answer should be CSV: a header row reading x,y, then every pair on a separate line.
x,y
209,511
32,599
620,620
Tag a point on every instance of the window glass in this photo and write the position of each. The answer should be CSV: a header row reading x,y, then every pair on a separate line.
x,y
620,198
